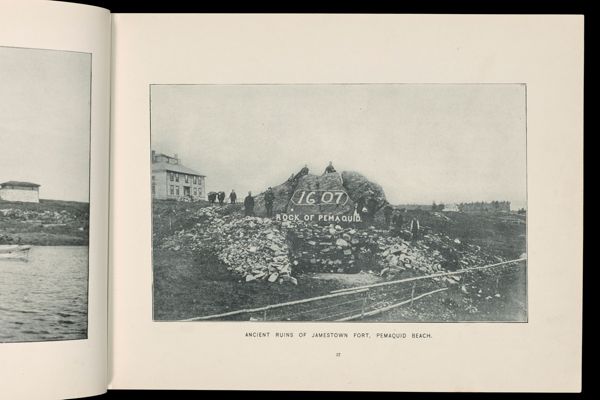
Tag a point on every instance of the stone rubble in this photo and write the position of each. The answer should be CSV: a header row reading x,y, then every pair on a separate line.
x,y
45,216
261,249
253,248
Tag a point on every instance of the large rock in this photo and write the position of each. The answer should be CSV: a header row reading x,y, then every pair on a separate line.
x,y
353,183
358,185
324,203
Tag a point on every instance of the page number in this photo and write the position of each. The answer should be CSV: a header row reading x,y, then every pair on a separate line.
x,y
338,354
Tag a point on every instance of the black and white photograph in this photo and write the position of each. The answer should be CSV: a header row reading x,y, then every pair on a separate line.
x,y
339,202
44,194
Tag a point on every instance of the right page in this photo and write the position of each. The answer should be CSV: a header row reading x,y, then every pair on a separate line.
x,y
347,202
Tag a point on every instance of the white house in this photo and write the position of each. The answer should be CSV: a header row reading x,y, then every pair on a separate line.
x,y
172,180
20,191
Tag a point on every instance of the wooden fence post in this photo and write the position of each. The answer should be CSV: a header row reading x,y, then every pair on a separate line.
x,y
412,293
364,304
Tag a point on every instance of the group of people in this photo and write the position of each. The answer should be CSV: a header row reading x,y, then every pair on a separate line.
x,y
220,197
294,178
366,207
213,197
394,220
269,200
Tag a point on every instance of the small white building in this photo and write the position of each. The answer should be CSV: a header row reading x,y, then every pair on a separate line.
x,y
451,207
20,191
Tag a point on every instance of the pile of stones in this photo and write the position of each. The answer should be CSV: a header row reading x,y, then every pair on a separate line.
x,y
262,249
251,247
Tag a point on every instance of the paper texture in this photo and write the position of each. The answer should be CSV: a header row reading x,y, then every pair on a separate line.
x,y
76,367
543,52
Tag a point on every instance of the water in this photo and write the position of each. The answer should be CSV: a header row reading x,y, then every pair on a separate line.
x,y
45,297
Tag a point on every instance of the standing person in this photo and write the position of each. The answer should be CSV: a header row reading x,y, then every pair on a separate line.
x,y
221,198
414,228
232,196
249,205
371,209
360,208
397,221
387,214
269,199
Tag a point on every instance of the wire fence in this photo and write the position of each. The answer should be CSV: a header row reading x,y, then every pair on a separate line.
x,y
369,301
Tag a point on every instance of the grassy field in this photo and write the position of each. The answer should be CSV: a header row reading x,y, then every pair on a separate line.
x,y
188,285
47,223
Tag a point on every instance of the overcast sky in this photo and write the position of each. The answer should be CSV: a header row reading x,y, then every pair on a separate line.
x,y
45,120
422,143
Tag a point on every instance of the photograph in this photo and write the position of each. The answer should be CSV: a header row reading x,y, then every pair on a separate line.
x,y
44,194
340,202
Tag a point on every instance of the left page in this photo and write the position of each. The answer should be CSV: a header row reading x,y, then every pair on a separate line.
x,y
54,136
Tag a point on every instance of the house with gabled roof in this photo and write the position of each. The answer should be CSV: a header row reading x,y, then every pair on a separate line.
x,y
172,180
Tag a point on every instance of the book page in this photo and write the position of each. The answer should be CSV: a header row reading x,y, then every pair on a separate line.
x,y
54,135
347,202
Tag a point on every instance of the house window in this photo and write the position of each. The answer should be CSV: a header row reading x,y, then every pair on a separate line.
x,y
177,191
171,176
153,188
195,180
176,177
187,178
172,191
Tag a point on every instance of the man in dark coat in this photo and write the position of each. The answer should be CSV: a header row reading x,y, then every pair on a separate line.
x,y
232,196
361,207
397,221
269,199
221,198
212,196
301,173
387,214
329,169
372,208
249,205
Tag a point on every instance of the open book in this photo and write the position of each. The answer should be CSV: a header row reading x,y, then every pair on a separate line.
x,y
335,202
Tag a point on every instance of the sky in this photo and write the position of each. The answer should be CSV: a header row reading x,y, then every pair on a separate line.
x,y
422,143
45,120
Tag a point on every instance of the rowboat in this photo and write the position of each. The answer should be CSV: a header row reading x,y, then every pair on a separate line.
x,y
14,251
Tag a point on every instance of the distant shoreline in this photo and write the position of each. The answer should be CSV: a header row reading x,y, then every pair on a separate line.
x,y
47,223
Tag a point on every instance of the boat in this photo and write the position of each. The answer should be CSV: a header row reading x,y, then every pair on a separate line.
x,y
14,251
